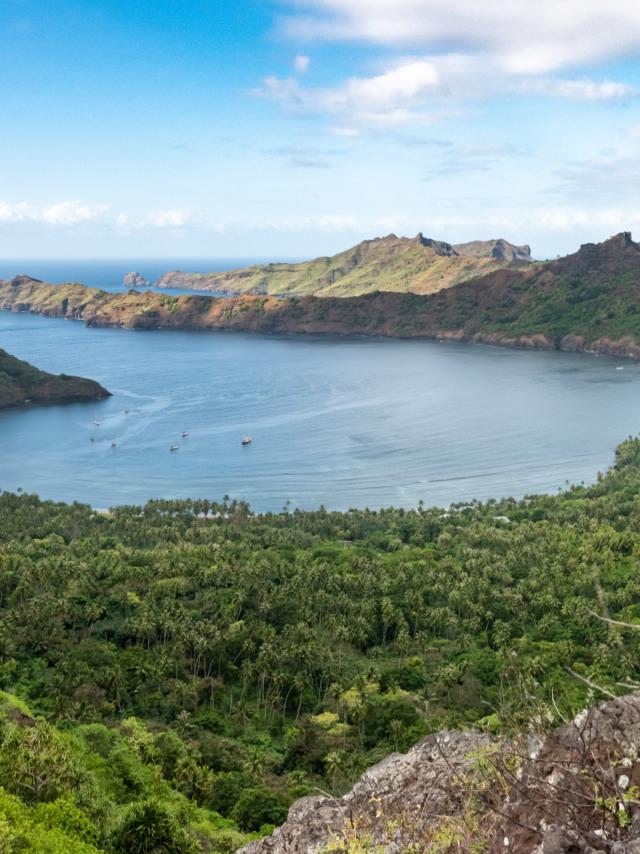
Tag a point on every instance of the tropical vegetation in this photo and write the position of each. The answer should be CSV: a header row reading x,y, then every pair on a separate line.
x,y
175,675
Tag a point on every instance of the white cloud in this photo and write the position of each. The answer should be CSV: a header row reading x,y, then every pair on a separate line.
x,y
59,214
580,90
385,100
71,213
172,218
301,63
13,212
464,50
427,90
527,37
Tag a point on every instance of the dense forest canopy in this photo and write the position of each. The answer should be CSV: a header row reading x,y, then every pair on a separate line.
x,y
187,669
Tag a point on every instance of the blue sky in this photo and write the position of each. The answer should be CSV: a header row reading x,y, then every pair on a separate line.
x,y
291,129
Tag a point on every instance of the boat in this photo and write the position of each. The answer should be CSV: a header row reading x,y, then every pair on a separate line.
x,y
126,412
113,445
173,447
246,440
96,422
184,434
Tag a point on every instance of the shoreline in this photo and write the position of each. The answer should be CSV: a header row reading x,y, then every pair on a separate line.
x,y
384,314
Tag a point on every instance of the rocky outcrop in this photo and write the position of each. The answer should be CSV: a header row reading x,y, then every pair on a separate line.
x,y
440,247
576,790
395,803
500,250
573,791
135,280
22,383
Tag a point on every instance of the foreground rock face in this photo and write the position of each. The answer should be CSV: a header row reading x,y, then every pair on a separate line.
x,y
574,791
403,789
571,792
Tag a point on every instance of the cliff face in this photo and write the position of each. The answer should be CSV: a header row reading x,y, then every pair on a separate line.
x,y
588,301
572,791
499,250
22,383
407,265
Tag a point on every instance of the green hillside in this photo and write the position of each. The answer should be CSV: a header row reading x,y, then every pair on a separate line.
x,y
22,383
416,265
187,669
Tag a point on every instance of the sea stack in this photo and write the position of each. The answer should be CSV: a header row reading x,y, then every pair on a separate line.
x,y
135,280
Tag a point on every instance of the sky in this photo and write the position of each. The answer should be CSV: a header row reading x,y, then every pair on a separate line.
x,y
296,128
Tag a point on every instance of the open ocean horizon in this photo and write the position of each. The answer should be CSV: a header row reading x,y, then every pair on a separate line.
x,y
108,273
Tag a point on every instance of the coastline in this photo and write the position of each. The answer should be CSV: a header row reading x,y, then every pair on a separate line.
x,y
381,314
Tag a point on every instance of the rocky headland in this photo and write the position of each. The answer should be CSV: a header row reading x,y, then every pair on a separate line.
x,y
585,302
22,383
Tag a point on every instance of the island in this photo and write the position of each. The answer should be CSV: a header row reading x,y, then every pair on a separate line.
x,y
22,383
135,280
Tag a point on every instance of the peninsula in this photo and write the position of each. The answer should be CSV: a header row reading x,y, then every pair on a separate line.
x,y
417,265
587,301
22,383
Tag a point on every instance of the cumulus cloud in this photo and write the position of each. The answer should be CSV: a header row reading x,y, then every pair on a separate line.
x,y
72,213
171,218
384,100
13,212
461,50
527,37
67,213
427,90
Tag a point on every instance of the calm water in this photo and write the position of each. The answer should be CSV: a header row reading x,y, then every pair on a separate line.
x,y
340,422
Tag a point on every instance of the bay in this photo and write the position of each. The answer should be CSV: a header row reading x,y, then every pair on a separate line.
x,y
340,422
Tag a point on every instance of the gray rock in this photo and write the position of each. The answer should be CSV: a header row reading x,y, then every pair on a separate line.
x,y
410,789
135,280
550,807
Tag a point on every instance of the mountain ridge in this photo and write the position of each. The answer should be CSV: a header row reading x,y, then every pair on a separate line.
x,y
404,264
588,301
